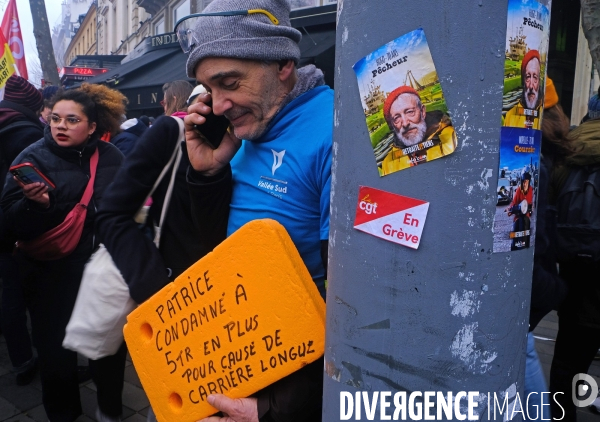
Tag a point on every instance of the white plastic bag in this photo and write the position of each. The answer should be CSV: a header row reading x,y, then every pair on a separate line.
x,y
95,329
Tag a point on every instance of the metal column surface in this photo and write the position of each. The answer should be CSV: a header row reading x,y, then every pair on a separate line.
x,y
451,316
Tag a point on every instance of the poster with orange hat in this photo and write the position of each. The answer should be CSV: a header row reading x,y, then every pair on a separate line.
x,y
526,52
404,105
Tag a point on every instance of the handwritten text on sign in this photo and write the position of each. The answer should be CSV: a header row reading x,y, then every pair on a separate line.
x,y
239,319
392,217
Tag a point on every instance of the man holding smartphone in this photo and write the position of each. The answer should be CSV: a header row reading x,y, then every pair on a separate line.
x,y
274,162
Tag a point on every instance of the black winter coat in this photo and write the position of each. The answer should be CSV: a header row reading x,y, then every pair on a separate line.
x,y
25,129
548,289
16,139
69,170
146,269
582,305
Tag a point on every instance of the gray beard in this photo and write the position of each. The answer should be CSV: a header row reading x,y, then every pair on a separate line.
x,y
532,104
233,114
309,77
413,140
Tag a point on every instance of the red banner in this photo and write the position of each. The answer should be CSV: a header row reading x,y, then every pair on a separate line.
x,y
11,30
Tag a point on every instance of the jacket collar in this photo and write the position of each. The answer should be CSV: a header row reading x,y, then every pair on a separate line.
x,y
138,129
72,154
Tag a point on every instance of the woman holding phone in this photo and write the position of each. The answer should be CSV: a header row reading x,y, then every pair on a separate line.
x,y
64,156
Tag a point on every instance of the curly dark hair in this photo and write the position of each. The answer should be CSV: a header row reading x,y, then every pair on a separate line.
x,y
100,104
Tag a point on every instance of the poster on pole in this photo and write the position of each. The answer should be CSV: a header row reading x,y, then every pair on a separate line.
x,y
526,52
404,105
389,216
514,221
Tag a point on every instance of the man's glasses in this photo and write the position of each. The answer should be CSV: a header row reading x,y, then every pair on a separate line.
x,y
184,26
70,122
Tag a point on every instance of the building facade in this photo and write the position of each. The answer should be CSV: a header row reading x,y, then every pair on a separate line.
x,y
158,59
67,27
164,16
83,41
122,24
118,26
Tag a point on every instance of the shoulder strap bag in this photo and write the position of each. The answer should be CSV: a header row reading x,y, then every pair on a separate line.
x,y
95,329
62,240
142,215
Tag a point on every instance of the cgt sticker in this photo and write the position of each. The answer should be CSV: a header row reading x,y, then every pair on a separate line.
x,y
392,217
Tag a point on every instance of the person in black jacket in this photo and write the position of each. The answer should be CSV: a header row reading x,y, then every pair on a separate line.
x,y
145,268
578,337
19,128
19,124
548,289
78,119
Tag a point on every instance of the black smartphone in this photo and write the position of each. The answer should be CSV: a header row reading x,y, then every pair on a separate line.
x,y
214,128
27,173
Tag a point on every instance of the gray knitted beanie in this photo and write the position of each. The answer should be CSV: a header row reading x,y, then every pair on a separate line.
x,y
245,37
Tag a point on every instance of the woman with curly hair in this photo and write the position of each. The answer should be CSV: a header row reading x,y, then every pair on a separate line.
x,y
66,155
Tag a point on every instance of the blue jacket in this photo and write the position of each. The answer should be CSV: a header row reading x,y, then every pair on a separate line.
x,y
127,139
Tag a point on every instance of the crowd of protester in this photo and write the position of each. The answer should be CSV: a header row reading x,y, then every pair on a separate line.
x,y
81,140
249,76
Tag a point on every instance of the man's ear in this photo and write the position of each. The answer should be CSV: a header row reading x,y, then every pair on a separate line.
x,y
286,68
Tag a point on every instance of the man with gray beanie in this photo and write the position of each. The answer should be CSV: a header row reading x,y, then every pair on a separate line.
x,y
273,162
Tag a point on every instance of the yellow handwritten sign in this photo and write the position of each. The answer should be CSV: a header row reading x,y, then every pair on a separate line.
x,y
241,318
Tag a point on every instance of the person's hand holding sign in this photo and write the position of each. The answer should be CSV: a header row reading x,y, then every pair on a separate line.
x,y
236,410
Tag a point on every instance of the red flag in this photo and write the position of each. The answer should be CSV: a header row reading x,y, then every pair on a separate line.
x,y
12,32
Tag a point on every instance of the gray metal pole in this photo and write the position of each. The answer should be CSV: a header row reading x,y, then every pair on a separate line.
x,y
452,315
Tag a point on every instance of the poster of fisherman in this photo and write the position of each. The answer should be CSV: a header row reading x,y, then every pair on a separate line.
x,y
527,35
405,110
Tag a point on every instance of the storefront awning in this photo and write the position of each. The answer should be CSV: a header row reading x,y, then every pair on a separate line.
x,y
141,79
131,70
169,67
